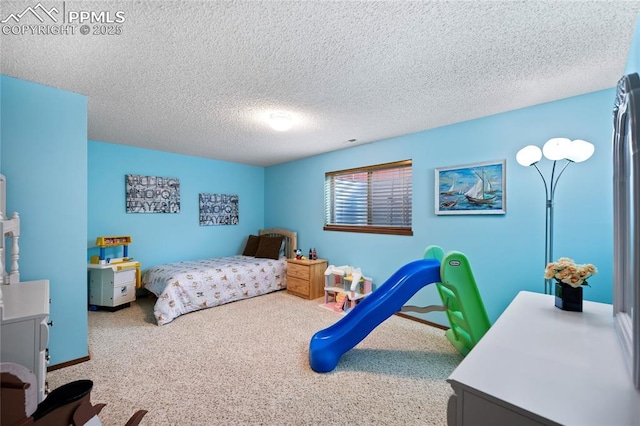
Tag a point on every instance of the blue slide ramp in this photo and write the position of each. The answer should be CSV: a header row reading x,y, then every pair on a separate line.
x,y
328,345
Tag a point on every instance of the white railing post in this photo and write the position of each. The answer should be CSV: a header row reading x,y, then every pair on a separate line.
x,y
3,272
14,276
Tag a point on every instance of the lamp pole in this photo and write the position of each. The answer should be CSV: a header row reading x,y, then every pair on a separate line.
x,y
549,194
556,149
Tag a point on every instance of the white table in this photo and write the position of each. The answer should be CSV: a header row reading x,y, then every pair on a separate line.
x,y
542,365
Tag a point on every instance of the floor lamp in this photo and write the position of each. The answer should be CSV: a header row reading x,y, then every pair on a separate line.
x,y
556,149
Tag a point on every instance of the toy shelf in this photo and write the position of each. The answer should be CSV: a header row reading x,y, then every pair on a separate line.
x,y
338,284
352,295
110,241
113,241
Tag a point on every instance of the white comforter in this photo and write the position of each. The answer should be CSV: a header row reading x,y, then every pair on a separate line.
x,y
184,287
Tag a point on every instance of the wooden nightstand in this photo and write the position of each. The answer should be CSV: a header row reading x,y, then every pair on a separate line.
x,y
305,278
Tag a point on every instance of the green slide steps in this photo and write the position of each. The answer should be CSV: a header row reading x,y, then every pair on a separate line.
x,y
459,293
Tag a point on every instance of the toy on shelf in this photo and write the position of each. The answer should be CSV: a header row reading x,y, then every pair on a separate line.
x,y
104,242
345,287
341,298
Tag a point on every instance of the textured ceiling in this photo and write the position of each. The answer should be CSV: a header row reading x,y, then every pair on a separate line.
x,y
199,78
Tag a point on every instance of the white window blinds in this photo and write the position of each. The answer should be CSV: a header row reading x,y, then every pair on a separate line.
x,y
370,199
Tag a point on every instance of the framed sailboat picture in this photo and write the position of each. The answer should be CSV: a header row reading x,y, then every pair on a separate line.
x,y
478,188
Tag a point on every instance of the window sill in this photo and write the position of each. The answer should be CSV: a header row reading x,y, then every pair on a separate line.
x,y
387,230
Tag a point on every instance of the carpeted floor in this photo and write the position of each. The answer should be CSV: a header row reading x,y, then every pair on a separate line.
x,y
247,363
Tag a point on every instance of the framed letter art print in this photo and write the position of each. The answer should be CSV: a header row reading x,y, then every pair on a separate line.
x,y
218,209
152,194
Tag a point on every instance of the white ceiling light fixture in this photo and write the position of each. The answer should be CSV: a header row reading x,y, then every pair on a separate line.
x,y
280,121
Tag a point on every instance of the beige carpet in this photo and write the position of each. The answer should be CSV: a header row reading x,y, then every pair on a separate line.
x,y
247,363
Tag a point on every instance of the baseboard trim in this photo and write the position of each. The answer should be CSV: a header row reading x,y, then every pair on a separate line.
x,y
69,363
422,321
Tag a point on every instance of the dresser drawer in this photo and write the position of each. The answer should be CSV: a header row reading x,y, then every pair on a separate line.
x,y
124,277
298,271
124,294
296,285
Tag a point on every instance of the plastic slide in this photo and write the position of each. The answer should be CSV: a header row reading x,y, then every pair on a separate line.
x,y
328,345
459,293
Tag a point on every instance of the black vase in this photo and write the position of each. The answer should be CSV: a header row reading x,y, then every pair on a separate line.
x,y
568,298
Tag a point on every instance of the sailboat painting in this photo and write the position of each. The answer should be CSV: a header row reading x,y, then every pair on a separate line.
x,y
478,188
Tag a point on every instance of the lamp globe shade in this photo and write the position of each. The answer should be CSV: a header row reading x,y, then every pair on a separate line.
x,y
529,155
580,151
556,148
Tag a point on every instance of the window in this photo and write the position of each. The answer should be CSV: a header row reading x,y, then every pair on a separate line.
x,y
375,199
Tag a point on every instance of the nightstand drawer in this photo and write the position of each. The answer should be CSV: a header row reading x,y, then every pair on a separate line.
x,y
298,271
124,277
297,285
124,294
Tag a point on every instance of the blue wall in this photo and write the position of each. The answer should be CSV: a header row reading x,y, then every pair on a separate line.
x,y
170,237
44,154
506,251
44,157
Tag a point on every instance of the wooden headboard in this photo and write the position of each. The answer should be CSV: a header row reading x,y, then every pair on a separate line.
x,y
290,239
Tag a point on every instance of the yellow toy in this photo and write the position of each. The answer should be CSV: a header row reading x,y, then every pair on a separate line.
x,y
104,242
340,299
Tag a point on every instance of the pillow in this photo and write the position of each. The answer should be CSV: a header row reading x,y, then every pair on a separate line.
x,y
269,247
251,247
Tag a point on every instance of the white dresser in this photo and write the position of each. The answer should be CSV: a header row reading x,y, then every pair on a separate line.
x,y
24,333
540,365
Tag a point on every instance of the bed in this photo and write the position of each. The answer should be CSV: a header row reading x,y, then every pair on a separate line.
x,y
189,286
